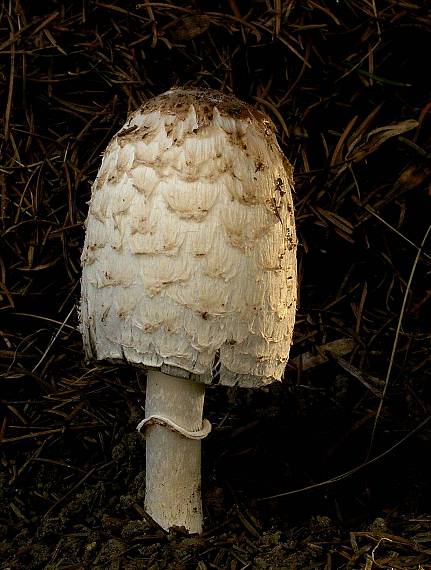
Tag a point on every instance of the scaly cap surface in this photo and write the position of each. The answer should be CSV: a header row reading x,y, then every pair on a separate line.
x,y
190,250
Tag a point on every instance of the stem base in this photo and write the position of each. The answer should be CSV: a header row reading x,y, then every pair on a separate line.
x,y
173,462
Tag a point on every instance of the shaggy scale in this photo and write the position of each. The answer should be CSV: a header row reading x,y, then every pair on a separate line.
x,y
189,257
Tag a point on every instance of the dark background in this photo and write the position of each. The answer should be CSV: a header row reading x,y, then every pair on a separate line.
x,y
348,85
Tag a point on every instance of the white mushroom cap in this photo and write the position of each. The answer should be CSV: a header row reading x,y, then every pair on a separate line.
x,y
190,250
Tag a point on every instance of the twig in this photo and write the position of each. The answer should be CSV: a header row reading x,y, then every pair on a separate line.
x,y
352,471
395,344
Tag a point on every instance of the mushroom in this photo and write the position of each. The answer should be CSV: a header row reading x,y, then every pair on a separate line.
x,y
189,270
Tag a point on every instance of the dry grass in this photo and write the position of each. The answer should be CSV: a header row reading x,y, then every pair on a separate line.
x,y
348,86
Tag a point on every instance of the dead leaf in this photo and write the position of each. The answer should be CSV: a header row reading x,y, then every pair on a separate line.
x,y
336,157
378,136
189,27
373,384
336,348
338,221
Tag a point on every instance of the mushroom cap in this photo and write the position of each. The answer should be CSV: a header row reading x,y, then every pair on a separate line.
x,y
189,261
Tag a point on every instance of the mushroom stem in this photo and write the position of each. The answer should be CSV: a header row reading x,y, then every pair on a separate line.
x,y
173,460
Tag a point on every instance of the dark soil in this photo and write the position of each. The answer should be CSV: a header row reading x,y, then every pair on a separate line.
x,y
329,469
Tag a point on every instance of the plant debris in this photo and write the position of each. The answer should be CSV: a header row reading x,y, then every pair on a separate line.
x,y
342,443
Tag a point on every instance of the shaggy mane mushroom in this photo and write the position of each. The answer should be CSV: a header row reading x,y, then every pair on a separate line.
x,y
189,265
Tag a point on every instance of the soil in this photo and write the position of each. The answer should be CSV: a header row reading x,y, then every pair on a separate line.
x,y
328,469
